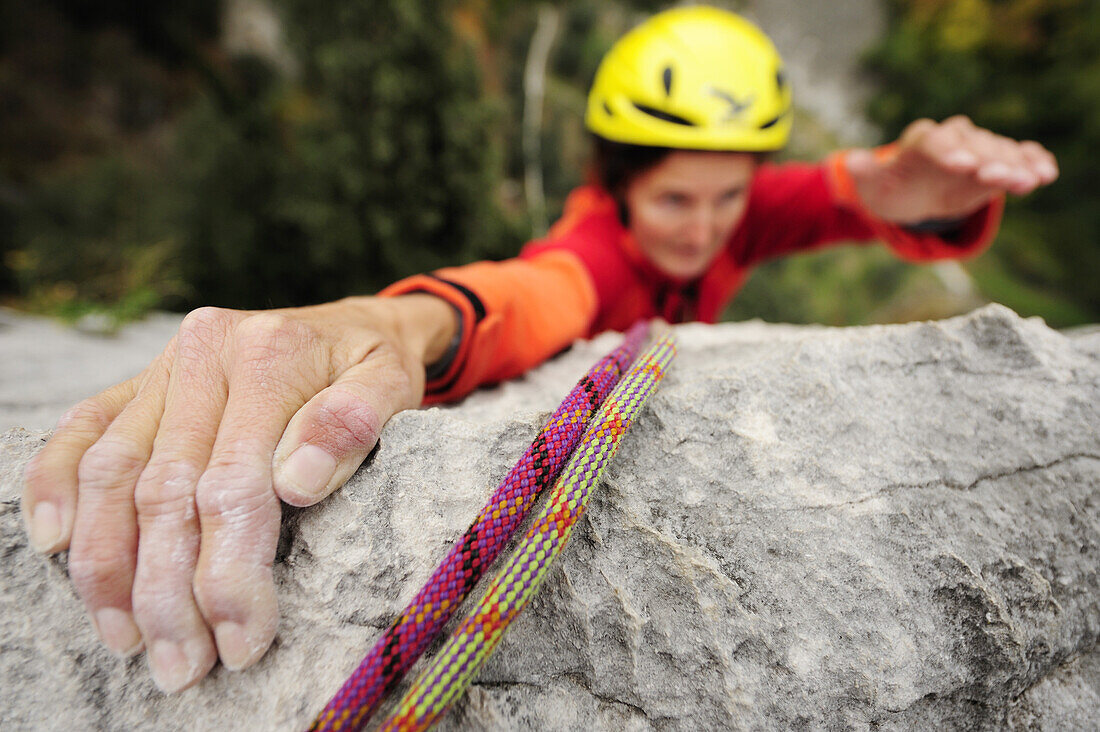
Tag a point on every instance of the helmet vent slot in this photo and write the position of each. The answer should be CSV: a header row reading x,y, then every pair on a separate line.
x,y
666,79
667,117
773,122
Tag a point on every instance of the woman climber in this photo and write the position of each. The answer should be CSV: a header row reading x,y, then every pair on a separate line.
x,y
166,488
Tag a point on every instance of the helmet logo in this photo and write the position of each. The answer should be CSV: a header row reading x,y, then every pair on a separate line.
x,y
736,107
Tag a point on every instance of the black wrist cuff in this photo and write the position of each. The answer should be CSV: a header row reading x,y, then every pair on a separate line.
x,y
937,226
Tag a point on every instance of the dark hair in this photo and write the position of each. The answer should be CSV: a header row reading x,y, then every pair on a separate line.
x,y
615,164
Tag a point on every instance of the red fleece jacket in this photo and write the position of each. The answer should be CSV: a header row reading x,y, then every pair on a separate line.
x,y
587,275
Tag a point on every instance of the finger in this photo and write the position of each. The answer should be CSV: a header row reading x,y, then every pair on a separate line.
x,y
50,480
1043,163
104,544
946,145
915,131
328,439
180,647
1009,176
1003,164
238,510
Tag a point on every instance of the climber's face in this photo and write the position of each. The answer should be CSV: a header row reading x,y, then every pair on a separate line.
x,y
683,209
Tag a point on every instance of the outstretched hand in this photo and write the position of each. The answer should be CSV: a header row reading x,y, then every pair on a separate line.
x,y
946,170
166,488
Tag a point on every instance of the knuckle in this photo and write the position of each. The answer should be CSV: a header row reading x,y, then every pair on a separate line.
x,y
269,333
236,458
280,355
195,345
107,461
920,128
166,488
206,321
348,419
93,565
940,138
959,121
219,586
236,496
1034,150
226,579
162,582
90,412
201,332
153,596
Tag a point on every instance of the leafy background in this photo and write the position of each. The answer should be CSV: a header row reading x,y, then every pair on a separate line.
x,y
147,160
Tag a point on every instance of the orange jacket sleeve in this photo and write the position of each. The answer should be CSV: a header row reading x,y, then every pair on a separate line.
x,y
515,314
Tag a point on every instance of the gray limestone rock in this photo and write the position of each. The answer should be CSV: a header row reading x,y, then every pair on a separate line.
x,y
889,527
46,367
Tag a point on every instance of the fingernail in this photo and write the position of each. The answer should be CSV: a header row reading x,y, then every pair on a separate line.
x,y
235,647
308,470
1047,170
175,666
117,631
995,170
45,527
961,157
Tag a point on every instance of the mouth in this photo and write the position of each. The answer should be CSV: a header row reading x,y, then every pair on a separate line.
x,y
686,261
687,252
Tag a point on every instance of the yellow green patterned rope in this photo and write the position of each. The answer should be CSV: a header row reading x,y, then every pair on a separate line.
x,y
450,672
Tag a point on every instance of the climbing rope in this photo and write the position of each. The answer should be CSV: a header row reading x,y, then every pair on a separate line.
x,y
451,671
405,640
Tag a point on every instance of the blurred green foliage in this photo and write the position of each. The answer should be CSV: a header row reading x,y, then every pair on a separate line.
x,y
88,202
145,164
98,236
376,159
1030,70
378,163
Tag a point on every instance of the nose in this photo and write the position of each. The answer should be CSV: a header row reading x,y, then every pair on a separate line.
x,y
701,228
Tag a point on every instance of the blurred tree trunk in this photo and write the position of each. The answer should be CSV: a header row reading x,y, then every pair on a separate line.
x,y
534,88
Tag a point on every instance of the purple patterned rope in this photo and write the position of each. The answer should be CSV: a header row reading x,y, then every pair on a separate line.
x,y
448,674
405,640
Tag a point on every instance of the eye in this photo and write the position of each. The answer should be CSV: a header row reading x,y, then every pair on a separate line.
x,y
731,195
673,199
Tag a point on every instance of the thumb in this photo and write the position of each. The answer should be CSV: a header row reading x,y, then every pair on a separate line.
x,y
329,437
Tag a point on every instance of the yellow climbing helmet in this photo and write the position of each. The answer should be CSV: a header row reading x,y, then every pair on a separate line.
x,y
698,78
